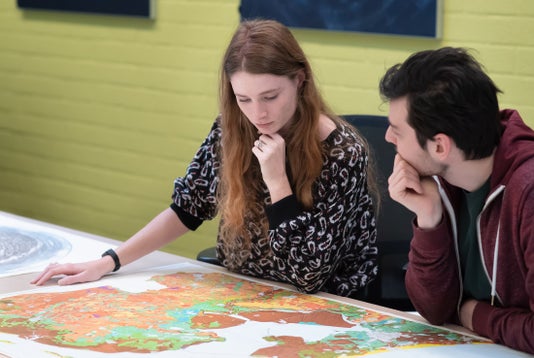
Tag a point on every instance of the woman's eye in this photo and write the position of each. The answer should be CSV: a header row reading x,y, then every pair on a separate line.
x,y
243,100
270,98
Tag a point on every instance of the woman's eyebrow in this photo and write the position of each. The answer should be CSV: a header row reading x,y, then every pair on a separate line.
x,y
261,94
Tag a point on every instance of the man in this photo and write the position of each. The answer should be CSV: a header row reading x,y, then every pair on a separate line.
x,y
466,170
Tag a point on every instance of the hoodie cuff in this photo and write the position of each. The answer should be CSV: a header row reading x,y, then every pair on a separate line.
x,y
426,238
481,318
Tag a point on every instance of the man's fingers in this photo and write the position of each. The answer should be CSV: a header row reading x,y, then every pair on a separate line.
x,y
404,177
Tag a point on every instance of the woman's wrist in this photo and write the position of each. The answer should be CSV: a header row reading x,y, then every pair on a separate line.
x,y
279,191
116,264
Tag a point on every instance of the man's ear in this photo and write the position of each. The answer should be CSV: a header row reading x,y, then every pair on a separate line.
x,y
440,147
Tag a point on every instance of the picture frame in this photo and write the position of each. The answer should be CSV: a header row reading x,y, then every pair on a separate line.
x,y
417,18
136,8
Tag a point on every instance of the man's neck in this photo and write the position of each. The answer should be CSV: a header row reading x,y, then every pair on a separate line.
x,y
470,175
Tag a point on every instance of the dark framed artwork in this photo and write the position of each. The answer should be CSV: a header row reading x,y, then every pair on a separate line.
x,y
139,8
421,18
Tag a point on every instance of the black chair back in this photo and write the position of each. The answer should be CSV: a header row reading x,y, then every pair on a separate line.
x,y
394,230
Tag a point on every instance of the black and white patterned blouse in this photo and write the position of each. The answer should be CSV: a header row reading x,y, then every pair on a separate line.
x,y
330,248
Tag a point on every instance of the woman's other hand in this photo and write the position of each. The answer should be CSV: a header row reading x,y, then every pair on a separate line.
x,y
76,273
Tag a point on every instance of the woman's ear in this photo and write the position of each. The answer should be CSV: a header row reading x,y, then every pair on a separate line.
x,y
301,77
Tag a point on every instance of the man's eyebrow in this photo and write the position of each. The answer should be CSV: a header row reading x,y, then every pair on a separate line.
x,y
392,125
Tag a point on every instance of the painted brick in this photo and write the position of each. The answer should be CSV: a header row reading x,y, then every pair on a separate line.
x,y
98,114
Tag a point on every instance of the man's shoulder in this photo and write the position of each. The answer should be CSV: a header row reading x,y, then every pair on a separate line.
x,y
522,177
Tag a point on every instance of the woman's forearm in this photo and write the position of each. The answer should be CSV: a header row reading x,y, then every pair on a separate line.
x,y
161,230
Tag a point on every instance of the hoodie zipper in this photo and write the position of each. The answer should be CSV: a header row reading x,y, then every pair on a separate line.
x,y
493,278
452,216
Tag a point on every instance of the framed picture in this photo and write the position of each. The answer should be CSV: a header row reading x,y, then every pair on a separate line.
x,y
421,18
139,8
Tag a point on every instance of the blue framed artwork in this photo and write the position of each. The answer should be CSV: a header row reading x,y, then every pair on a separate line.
x,y
139,8
420,18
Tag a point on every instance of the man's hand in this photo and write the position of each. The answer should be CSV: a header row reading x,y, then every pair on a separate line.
x,y
418,194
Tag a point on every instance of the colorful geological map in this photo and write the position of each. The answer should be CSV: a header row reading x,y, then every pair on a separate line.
x,y
204,314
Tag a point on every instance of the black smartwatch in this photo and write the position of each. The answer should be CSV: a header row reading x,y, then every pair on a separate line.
x,y
115,258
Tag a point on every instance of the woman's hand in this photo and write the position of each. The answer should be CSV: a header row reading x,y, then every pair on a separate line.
x,y
161,230
271,153
76,273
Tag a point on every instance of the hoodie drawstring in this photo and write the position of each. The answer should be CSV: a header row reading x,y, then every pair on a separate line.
x,y
494,271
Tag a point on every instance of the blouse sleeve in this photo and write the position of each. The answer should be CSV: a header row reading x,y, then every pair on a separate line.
x,y
337,234
194,195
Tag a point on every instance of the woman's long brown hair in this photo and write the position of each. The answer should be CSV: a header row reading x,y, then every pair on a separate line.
x,y
265,47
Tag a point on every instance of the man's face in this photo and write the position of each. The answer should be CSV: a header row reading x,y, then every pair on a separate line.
x,y
403,136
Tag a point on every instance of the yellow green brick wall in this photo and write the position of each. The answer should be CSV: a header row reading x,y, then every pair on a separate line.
x,y
98,114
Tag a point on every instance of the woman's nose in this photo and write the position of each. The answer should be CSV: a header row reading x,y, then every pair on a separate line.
x,y
260,111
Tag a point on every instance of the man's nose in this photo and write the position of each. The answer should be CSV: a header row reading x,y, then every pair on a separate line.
x,y
389,137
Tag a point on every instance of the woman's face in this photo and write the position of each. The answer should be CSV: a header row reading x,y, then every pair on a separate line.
x,y
268,101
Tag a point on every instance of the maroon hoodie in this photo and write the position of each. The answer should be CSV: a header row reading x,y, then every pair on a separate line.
x,y
506,239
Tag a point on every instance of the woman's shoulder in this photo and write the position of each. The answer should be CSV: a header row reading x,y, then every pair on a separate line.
x,y
344,151
213,137
326,126
216,127
343,134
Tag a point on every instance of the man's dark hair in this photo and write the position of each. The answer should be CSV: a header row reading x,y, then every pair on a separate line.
x,y
447,92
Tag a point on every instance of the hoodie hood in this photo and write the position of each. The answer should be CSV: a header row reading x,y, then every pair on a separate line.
x,y
515,147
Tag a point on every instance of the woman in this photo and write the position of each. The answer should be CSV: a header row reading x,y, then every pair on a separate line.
x,y
288,177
